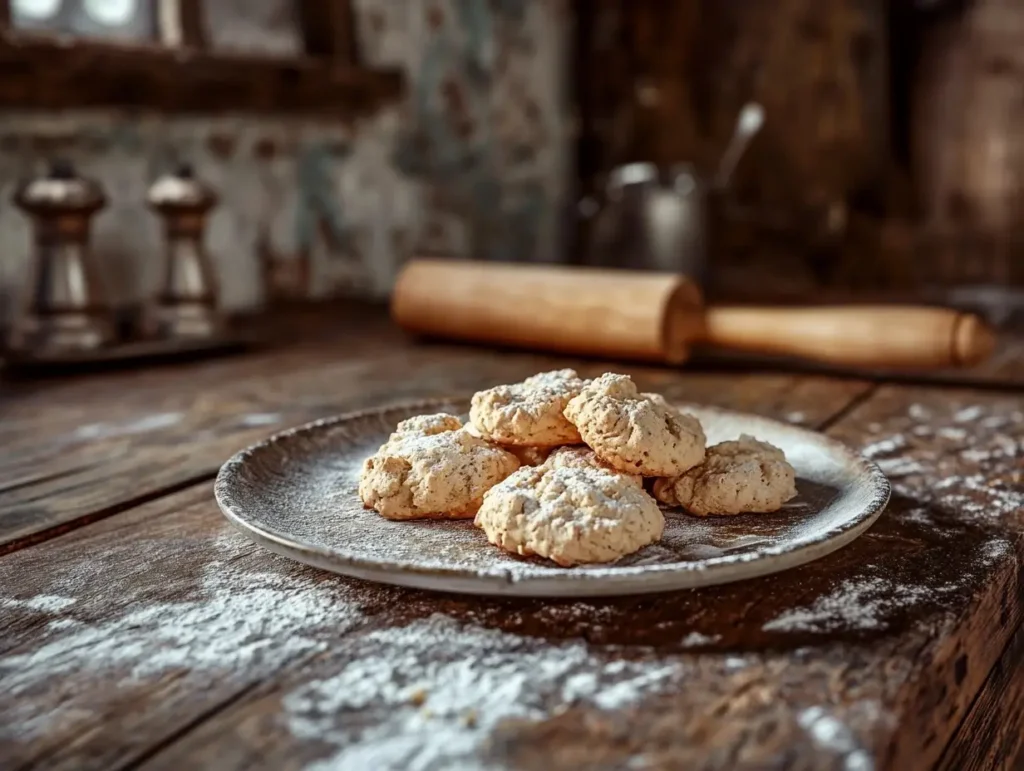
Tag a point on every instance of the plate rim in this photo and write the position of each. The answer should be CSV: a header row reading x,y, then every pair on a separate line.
x,y
604,581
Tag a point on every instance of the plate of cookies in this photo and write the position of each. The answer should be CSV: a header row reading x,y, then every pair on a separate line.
x,y
557,486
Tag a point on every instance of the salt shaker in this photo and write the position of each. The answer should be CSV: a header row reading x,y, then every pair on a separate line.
x,y
186,305
64,308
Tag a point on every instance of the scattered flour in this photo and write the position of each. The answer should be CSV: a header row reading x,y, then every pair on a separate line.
x,y
44,603
236,622
832,734
918,515
884,446
996,421
968,414
109,430
796,417
255,419
426,696
994,549
926,462
1000,447
695,639
900,466
856,604
988,498
919,412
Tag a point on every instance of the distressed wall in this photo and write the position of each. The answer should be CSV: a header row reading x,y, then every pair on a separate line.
x,y
474,161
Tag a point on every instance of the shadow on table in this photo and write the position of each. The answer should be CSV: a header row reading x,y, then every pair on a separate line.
x,y
915,566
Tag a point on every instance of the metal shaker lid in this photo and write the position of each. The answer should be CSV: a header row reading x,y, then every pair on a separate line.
x,y
61,190
181,190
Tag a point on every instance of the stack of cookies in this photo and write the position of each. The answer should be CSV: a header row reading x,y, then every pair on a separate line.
x,y
569,469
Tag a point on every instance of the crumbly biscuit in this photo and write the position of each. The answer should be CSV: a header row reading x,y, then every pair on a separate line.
x,y
570,515
526,454
528,413
431,468
428,425
581,456
633,433
737,477
660,401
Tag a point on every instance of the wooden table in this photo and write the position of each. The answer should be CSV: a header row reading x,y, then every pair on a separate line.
x,y
140,631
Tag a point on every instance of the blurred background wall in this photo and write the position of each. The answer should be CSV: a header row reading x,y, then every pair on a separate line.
x,y
474,158
889,158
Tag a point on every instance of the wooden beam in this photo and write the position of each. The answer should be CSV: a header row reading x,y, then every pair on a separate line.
x,y
193,24
329,30
42,72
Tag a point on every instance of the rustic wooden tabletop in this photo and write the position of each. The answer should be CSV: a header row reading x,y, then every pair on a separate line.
x,y
139,630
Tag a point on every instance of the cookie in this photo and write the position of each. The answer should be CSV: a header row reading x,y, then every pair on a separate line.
x,y
428,425
737,477
583,457
432,468
528,413
570,515
528,455
633,433
661,401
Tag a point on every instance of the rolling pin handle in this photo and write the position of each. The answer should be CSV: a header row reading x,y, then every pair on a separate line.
x,y
877,337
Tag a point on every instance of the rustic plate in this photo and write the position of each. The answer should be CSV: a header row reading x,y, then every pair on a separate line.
x,y
296,495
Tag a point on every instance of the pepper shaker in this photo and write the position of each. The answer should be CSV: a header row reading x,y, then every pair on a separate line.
x,y
64,308
186,305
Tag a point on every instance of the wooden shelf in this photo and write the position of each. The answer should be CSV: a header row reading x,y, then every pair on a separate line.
x,y
55,73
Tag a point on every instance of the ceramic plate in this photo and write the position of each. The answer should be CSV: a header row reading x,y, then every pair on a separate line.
x,y
296,495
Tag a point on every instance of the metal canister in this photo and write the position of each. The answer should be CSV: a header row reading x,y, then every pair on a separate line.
x,y
653,219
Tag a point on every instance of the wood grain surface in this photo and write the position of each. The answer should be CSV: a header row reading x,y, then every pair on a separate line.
x,y
160,638
81,449
992,736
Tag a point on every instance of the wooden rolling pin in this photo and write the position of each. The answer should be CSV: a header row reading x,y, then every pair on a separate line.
x,y
622,314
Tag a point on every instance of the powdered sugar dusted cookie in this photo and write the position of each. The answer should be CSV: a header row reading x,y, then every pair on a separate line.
x,y
428,425
570,515
661,401
528,413
526,454
634,433
583,457
432,468
737,477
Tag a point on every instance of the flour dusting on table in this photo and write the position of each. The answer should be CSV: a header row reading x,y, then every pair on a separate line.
x,y
915,455
831,734
141,425
44,603
427,695
696,639
858,604
236,620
